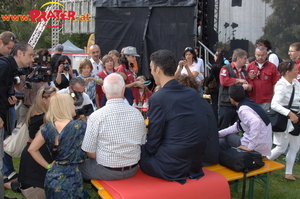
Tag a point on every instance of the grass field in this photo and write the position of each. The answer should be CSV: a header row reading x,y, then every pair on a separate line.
x,y
279,187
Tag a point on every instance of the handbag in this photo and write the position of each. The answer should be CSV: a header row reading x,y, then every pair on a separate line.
x,y
211,86
241,160
296,130
279,121
16,142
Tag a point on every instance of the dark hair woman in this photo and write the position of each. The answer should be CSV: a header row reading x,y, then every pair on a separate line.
x,y
64,72
214,76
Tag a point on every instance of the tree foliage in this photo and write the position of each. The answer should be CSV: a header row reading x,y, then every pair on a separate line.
x,y
283,27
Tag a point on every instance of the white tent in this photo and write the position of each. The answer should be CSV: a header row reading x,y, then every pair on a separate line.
x,y
69,47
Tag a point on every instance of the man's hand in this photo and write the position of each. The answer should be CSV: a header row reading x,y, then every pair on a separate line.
x,y
1,123
241,81
244,147
12,100
252,75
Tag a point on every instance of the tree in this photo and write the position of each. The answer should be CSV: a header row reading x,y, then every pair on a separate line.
x,y
283,27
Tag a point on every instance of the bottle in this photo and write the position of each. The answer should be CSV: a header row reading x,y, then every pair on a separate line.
x,y
140,105
134,105
145,108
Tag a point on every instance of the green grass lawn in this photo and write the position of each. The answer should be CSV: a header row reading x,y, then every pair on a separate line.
x,y
279,187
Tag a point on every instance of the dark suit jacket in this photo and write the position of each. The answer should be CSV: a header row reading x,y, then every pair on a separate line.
x,y
178,127
127,94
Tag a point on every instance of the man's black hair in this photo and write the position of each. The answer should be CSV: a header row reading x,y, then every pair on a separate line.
x,y
237,92
264,41
22,46
165,60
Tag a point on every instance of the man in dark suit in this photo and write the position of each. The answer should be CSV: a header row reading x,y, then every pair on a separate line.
x,y
178,125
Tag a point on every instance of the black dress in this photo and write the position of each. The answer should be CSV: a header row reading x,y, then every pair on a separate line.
x,y
32,173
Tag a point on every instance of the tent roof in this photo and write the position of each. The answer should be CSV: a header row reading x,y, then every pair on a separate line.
x,y
69,47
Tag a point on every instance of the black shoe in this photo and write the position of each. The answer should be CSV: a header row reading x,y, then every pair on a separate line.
x,y
5,197
15,186
10,178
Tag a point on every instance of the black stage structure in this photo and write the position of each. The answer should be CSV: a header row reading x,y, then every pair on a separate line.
x,y
148,25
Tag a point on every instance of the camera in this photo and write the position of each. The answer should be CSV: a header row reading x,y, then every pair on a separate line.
x,y
11,92
86,110
66,67
23,71
78,98
39,74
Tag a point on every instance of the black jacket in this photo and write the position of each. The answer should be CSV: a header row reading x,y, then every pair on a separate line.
x,y
8,66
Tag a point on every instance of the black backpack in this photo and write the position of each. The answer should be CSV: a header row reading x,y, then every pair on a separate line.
x,y
280,60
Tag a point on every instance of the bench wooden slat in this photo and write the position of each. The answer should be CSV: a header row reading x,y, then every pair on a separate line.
x,y
231,175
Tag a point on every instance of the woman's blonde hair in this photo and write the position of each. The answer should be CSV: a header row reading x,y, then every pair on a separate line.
x,y
38,106
60,108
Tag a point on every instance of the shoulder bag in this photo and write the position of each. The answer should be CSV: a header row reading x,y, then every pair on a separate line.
x,y
15,144
279,121
241,161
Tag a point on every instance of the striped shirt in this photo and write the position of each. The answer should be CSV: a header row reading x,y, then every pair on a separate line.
x,y
115,132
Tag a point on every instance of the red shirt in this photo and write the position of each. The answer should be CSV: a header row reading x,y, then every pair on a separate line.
x,y
99,91
298,64
263,84
136,94
226,80
128,72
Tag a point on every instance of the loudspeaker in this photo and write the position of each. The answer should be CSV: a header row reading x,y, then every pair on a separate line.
x,y
236,3
238,43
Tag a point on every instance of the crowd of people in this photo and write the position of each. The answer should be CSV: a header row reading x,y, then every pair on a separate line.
x,y
83,125
264,83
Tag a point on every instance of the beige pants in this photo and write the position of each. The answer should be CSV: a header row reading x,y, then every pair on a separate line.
x,y
34,193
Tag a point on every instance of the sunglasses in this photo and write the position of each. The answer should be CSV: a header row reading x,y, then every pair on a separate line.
x,y
13,38
290,65
188,48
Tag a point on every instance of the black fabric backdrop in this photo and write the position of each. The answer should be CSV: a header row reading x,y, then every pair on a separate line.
x,y
147,28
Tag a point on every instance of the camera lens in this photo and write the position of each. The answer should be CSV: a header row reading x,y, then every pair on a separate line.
x,y
66,67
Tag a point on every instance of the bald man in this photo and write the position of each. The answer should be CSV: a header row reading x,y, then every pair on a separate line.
x,y
95,53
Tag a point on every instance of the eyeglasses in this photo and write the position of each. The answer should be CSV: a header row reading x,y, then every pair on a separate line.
x,y
188,48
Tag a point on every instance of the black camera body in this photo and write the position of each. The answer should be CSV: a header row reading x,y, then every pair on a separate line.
x,y
11,92
39,74
23,71
66,67
86,110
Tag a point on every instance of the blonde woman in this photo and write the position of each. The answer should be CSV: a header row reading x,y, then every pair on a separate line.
x,y
63,136
31,174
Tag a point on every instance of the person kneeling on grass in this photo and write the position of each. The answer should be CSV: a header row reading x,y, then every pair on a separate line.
x,y
252,120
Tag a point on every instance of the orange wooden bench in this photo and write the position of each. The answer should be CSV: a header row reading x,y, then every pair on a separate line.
x,y
146,187
262,175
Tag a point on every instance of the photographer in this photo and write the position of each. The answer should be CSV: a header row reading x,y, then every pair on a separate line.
x,y
64,72
84,105
20,56
31,83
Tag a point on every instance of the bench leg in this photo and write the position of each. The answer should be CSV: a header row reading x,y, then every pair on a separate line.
x,y
251,187
267,186
236,186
